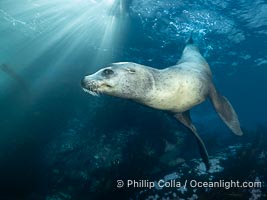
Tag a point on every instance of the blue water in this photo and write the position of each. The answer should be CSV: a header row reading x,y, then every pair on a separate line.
x,y
57,142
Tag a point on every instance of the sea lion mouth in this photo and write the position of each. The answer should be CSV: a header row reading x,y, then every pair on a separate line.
x,y
94,93
94,87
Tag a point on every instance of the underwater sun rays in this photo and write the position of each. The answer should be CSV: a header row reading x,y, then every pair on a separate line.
x,y
41,26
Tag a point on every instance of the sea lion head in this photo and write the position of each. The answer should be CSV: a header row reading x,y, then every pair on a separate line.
x,y
124,79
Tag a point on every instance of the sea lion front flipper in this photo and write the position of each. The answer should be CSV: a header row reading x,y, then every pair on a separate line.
x,y
225,110
185,119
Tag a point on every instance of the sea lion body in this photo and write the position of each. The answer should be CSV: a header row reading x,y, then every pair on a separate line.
x,y
175,89
180,87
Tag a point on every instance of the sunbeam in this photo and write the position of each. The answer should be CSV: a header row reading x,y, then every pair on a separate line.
x,y
71,25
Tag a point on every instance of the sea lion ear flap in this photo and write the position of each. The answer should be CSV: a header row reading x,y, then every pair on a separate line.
x,y
130,70
225,111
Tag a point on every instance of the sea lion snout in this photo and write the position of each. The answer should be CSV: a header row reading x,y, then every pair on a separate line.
x,y
90,86
91,82
96,83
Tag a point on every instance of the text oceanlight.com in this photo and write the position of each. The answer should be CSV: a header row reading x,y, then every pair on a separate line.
x,y
188,183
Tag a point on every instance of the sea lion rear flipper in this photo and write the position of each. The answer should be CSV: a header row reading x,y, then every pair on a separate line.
x,y
185,119
225,110
190,39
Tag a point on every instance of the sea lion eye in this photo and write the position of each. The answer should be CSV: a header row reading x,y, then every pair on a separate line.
x,y
107,72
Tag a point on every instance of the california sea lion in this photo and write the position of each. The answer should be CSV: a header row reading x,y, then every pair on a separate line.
x,y
175,89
